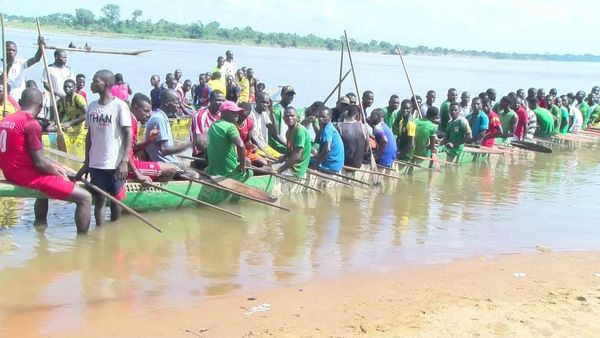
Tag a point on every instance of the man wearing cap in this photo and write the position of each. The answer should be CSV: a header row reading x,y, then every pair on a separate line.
x,y
287,96
338,113
226,150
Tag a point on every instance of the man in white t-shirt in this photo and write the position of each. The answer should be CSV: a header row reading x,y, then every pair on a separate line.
x,y
59,73
229,65
16,67
263,125
107,144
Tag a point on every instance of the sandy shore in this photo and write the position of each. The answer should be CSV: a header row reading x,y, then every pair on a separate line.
x,y
559,295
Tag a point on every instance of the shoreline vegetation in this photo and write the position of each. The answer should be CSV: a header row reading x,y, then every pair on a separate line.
x,y
109,24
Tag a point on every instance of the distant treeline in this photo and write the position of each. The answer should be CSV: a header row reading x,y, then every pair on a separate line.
x,y
110,22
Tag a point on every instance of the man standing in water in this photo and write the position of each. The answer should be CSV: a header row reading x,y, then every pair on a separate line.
x,y
353,134
15,67
331,148
429,101
458,132
545,121
23,163
495,126
287,96
391,112
107,144
478,121
385,150
59,73
445,108
508,117
405,127
425,131
297,157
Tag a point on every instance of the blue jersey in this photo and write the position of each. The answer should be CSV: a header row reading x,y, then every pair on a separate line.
x,y
389,153
335,158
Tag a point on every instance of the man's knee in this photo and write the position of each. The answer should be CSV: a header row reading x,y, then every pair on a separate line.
x,y
81,196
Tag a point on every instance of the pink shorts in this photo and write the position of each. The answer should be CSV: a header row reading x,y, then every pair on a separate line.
x,y
54,186
150,169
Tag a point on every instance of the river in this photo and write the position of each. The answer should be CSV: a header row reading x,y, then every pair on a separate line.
x,y
509,204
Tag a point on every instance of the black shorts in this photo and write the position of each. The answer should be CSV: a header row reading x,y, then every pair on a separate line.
x,y
106,180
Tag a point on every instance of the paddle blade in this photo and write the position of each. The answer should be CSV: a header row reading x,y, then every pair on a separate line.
x,y
243,188
61,143
531,146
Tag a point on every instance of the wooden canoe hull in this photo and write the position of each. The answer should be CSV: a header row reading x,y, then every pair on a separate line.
x,y
102,51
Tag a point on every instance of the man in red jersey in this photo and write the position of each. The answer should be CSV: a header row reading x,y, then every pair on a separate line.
x,y
24,165
145,171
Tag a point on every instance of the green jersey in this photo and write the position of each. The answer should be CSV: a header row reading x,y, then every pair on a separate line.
x,y
389,118
456,131
299,138
585,111
506,118
424,129
444,115
221,151
555,111
594,113
281,127
545,122
564,123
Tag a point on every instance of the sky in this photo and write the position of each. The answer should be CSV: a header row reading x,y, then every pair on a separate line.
x,y
523,26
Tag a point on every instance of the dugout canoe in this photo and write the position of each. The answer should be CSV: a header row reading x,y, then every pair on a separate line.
x,y
102,51
143,198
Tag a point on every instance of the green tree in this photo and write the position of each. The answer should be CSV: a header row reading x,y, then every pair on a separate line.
x,y
112,14
84,17
135,15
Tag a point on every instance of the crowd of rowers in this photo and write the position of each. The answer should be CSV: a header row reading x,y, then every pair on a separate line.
x,y
230,134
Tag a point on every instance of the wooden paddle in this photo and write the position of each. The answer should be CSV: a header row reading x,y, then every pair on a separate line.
x,y
119,203
337,87
345,177
159,187
362,117
232,191
327,177
347,168
4,76
60,137
410,164
531,146
283,177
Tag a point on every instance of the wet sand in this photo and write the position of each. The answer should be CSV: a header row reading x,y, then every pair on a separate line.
x,y
558,295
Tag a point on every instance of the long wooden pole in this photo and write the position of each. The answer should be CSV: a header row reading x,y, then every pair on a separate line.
x,y
60,137
409,82
340,80
346,177
378,173
291,180
327,177
338,86
159,187
362,117
120,204
4,75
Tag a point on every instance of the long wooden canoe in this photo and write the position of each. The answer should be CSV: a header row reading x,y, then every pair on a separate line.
x,y
102,51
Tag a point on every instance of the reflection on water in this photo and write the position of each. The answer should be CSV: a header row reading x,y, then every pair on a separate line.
x,y
509,203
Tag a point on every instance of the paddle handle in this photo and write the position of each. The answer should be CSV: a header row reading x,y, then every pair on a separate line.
x,y
178,194
282,177
340,80
4,75
119,203
409,82
52,97
327,177
338,86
